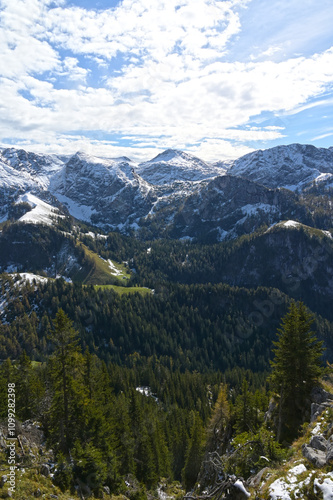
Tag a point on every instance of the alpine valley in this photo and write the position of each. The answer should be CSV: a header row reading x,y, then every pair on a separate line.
x,y
143,310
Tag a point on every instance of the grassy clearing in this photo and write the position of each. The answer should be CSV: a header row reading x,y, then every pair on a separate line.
x,y
126,289
97,271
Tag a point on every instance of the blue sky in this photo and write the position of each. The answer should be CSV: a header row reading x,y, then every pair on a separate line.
x,y
216,78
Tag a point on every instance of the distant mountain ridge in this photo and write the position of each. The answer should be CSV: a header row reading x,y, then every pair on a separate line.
x,y
175,194
291,166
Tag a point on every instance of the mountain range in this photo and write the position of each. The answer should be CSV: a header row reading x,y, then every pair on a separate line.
x,y
173,195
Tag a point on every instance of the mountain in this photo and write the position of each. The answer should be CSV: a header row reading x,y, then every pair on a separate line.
x,y
107,192
284,166
172,166
228,206
175,194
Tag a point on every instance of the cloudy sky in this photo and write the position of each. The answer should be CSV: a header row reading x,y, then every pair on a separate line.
x,y
216,78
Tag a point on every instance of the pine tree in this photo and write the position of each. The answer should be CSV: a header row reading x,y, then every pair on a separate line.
x,y
194,453
244,411
67,383
23,386
295,369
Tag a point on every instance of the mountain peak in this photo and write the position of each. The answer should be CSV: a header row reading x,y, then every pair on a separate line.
x,y
175,154
174,165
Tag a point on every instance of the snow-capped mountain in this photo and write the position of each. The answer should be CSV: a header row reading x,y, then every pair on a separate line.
x,y
174,194
172,166
291,166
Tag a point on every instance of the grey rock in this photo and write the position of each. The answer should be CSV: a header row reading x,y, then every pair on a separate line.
x,y
45,470
255,481
316,457
3,479
106,490
319,395
271,408
318,409
318,443
329,453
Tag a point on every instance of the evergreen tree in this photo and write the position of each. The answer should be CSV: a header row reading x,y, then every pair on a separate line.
x,y
244,411
194,453
295,369
23,387
67,386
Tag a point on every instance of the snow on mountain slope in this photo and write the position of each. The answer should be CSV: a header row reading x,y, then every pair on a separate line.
x,y
41,212
173,165
10,178
290,166
298,225
174,194
34,168
103,191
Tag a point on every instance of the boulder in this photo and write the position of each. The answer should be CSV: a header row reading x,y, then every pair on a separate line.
x,y
319,395
316,457
3,479
319,443
256,480
45,470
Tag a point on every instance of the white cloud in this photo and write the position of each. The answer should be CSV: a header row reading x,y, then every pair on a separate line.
x,y
164,71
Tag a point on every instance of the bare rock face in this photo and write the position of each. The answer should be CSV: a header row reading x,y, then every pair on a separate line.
x,y
319,395
329,453
319,443
316,457
321,401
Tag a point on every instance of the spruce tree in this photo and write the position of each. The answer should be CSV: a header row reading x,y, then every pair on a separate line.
x,y
67,383
244,411
194,453
296,368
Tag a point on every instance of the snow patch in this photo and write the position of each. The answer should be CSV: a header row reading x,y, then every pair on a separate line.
x,y
41,212
31,277
279,490
323,177
114,270
326,487
252,209
298,469
290,223
146,391
283,487
81,212
241,487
